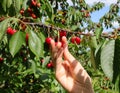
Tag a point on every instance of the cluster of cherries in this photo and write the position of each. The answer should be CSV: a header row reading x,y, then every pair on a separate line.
x,y
11,31
74,39
30,9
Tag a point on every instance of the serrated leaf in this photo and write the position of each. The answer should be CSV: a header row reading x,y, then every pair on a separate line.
x,y
98,32
110,60
15,43
97,53
107,58
42,37
35,44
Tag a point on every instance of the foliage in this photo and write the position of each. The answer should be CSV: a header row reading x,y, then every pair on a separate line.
x,y
24,54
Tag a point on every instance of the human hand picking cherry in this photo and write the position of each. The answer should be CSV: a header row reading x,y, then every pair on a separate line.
x,y
68,71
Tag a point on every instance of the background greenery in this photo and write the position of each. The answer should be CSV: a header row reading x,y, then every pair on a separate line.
x,y
24,59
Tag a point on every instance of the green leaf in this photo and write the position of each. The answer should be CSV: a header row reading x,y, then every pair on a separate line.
x,y
48,9
35,44
17,6
107,58
4,4
33,66
116,62
3,27
117,84
16,42
93,59
93,45
98,32
9,3
42,36
24,4
110,59
97,53
46,60
74,27
26,72
92,42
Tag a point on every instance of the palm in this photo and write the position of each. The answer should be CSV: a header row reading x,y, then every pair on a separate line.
x,y
64,76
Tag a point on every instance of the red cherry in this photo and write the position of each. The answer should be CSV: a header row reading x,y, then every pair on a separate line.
x,y
33,16
78,40
33,2
50,65
48,40
73,40
10,31
1,59
22,11
62,33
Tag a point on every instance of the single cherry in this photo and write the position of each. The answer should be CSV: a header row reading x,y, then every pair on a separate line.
x,y
62,33
50,65
77,40
1,59
33,16
33,2
22,11
72,40
48,40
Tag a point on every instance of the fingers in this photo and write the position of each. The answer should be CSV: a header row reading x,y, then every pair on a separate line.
x,y
67,55
52,43
55,46
56,52
76,66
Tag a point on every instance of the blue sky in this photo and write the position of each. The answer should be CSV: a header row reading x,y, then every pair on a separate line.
x,y
98,14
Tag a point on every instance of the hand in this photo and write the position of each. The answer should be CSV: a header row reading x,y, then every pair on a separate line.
x,y
68,71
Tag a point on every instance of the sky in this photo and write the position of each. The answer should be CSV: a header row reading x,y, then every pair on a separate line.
x,y
98,14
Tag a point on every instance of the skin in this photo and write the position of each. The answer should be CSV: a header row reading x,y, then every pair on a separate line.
x,y
68,71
